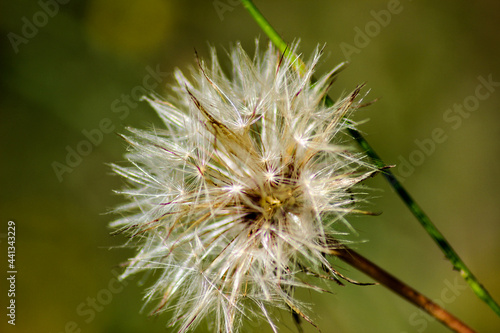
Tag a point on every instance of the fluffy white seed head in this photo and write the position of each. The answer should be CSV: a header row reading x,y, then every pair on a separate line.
x,y
237,199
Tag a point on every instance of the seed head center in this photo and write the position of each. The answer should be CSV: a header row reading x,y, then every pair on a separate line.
x,y
277,200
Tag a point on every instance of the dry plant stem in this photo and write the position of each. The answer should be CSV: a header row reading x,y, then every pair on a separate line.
x,y
383,277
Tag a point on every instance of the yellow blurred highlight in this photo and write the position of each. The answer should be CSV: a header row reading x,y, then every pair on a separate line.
x,y
128,28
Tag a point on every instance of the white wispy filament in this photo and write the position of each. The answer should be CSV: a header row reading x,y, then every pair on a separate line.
x,y
236,202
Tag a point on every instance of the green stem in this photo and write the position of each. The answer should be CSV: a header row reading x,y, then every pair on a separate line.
x,y
424,220
431,229
271,33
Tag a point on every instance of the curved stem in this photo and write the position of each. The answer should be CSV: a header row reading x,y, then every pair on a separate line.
x,y
411,295
424,220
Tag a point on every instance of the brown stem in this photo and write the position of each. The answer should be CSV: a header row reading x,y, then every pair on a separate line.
x,y
385,278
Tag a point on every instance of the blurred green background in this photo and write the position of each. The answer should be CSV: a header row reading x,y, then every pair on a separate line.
x,y
74,69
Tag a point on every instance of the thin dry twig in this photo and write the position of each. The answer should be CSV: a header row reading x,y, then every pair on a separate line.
x,y
361,263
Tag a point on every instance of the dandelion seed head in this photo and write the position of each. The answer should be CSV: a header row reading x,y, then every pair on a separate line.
x,y
237,199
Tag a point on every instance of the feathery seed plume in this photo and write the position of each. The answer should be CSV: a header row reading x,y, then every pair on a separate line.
x,y
237,200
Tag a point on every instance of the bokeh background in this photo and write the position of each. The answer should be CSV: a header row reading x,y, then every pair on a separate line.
x,y
81,66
